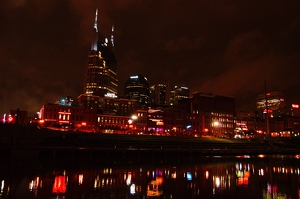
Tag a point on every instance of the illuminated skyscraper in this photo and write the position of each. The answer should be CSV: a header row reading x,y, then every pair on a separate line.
x,y
160,93
137,88
101,72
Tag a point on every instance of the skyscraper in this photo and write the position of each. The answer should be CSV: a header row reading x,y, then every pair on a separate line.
x,y
137,88
160,93
101,73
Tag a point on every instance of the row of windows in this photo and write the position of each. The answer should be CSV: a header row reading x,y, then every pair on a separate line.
x,y
68,117
68,110
141,114
111,120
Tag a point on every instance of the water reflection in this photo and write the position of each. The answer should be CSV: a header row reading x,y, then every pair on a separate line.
x,y
235,178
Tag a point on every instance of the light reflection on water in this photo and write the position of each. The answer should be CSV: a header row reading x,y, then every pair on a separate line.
x,y
240,177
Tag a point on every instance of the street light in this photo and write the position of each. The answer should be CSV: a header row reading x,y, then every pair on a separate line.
x,y
132,122
215,125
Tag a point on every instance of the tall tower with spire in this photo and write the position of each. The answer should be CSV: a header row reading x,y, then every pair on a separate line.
x,y
101,72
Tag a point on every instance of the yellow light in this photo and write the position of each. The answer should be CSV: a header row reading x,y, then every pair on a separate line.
x,y
216,123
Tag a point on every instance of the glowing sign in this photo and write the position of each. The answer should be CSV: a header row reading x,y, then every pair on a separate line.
x,y
112,95
159,123
59,185
80,179
134,77
295,105
159,180
189,176
269,111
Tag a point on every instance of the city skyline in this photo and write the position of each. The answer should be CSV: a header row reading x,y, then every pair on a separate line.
x,y
227,49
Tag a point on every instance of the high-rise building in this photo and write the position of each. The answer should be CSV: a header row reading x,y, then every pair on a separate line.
x,y
137,88
179,92
271,101
101,72
160,94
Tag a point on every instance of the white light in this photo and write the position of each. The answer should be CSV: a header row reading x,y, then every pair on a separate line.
x,y
132,189
218,182
112,95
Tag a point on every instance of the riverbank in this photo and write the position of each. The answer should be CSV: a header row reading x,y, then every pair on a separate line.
x,y
31,143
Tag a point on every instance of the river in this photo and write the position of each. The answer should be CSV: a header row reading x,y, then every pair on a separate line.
x,y
243,177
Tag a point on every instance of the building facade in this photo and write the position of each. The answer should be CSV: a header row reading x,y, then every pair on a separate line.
x,y
108,105
178,93
137,88
101,72
65,118
269,102
160,94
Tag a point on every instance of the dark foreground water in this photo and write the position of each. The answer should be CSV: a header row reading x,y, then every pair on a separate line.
x,y
276,177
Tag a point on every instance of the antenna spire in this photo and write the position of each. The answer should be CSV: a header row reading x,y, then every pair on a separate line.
x,y
96,21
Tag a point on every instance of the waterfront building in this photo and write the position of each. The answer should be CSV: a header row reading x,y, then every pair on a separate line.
x,y
201,114
65,118
155,121
101,72
217,113
178,92
115,124
110,104
175,120
17,116
137,88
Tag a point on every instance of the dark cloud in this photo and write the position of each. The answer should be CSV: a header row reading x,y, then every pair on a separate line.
x,y
221,47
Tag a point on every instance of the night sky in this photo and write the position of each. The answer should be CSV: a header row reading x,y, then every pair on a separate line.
x,y
228,48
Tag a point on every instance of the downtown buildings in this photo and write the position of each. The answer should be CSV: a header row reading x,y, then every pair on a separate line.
x,y
154,109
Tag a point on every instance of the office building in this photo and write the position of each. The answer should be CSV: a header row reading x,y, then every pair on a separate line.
x,y
179,92
270,101
101,72
137,88
160,94
215,112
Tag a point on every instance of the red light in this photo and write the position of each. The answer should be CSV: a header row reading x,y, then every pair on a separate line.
x,y
269,111
159,180
59,185
295,105
10,119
